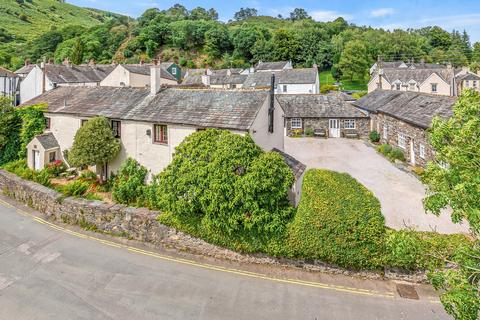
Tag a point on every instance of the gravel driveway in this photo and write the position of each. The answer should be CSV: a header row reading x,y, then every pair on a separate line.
x,y
400,194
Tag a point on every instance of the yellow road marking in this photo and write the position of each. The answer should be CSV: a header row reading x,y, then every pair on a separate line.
x,y
204,265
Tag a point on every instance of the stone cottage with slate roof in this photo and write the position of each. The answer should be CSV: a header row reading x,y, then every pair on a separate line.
x,y
328,113
402,119
138,75
42,150
46,76
289,81
150,123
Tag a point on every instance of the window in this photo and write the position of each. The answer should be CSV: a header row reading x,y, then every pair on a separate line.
x,y
83,121
52,156
117,128
174,71
296,123
474,83
467,83
434,87
47,123
284,88
349,123
422,151
402,141
412,86
385,132
160,133
397,86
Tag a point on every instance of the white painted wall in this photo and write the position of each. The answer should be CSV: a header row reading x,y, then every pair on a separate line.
x,y
44,154
259,130
121,74
8,86
298,88
443,88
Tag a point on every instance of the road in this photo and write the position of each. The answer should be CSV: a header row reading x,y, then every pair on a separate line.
x,y
52,271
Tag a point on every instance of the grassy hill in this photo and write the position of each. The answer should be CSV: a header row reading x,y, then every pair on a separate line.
x,y
27,19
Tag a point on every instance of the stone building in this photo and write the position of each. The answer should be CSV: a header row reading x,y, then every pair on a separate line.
x,y
328,113
402,119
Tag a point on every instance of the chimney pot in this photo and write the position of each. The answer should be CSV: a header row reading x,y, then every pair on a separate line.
x,y
27,62
92,63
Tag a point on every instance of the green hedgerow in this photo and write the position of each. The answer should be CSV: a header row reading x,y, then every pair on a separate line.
x,y
338,221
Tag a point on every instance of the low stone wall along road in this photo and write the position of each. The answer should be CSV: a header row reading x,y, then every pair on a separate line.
x,y
50,271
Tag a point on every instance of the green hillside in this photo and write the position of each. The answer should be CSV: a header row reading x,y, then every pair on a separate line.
x,y
27,19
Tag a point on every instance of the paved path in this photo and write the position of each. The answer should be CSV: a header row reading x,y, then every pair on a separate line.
x,y
53,272
400,194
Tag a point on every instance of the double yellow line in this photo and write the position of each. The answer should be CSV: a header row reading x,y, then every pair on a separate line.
x,y
244,273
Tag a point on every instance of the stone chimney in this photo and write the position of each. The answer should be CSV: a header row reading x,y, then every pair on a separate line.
x,y
67,62
155,79
114,62
27,62
449,65
271,108
50,61
92,63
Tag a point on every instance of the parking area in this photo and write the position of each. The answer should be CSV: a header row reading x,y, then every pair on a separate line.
x,y
400,193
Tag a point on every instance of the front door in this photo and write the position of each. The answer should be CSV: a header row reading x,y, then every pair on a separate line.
x,y
36,160
334,128
412,152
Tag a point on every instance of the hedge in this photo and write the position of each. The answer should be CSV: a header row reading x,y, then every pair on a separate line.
x,y
338,221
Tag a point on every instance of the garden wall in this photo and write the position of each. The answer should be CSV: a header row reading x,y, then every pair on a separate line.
x,y
141,224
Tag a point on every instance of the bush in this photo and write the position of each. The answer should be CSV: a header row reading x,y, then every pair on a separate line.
x,y
296,133
220,177
359,94
129,185
325,88
43,177
20,169
338,221
309,132
384,149
391,153
412,250
374,136
56,168
76,188
88,176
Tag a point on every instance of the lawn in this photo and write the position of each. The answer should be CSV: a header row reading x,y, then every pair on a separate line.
x,y
356,84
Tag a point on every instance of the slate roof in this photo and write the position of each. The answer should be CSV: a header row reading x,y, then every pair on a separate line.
x,y
287,76
412,107
317,106
193,80
468,76
297,167
419,75
77,74
204,108
144,69
224,80
7,73
277,65
25,69
48,141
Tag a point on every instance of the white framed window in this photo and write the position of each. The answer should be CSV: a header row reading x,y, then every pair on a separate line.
x,y
349,123
434,87
474,83
284,88
422,151
397,86
467,83
402,141
385,132
296,123
174,70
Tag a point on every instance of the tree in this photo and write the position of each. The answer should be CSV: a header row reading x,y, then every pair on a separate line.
x,y
299,14
129,185
353,61
10,124
476,52
453,181
94,144
217,40
33,123
200,13
245,13
76,56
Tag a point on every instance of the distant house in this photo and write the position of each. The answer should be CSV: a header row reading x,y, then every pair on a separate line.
x,y
328,113
402,118
25,70
217,79
138,75
151,123
288,81
46,76
465,79
273,66
10,85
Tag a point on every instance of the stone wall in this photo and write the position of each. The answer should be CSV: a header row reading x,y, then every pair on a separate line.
x,y
362,125
142,225
414,134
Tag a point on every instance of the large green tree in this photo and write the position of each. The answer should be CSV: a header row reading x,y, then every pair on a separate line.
x,y
353,61
453,181
94,144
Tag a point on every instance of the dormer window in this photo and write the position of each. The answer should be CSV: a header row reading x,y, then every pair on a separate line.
x,y
434,88
397,86
474,83
412,86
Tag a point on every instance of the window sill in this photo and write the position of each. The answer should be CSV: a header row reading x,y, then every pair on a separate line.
x,y
160,143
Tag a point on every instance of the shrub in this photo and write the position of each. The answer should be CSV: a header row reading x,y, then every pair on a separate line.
x,y
325,88
396,154
220,177
384,149
88,176
76,188
56,168
411,250
359,94
296,133
129,185
374,136
43,177
20,168
338,221
309,132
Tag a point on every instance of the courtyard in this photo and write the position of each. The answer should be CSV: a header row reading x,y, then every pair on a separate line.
x,y
400,193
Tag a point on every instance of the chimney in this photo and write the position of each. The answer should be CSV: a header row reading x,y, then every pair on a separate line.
x,y
50,61
114,62
27,62
142,62
155,79
271,109
44,76
67,63
92,63
380,75
206,79
449,65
